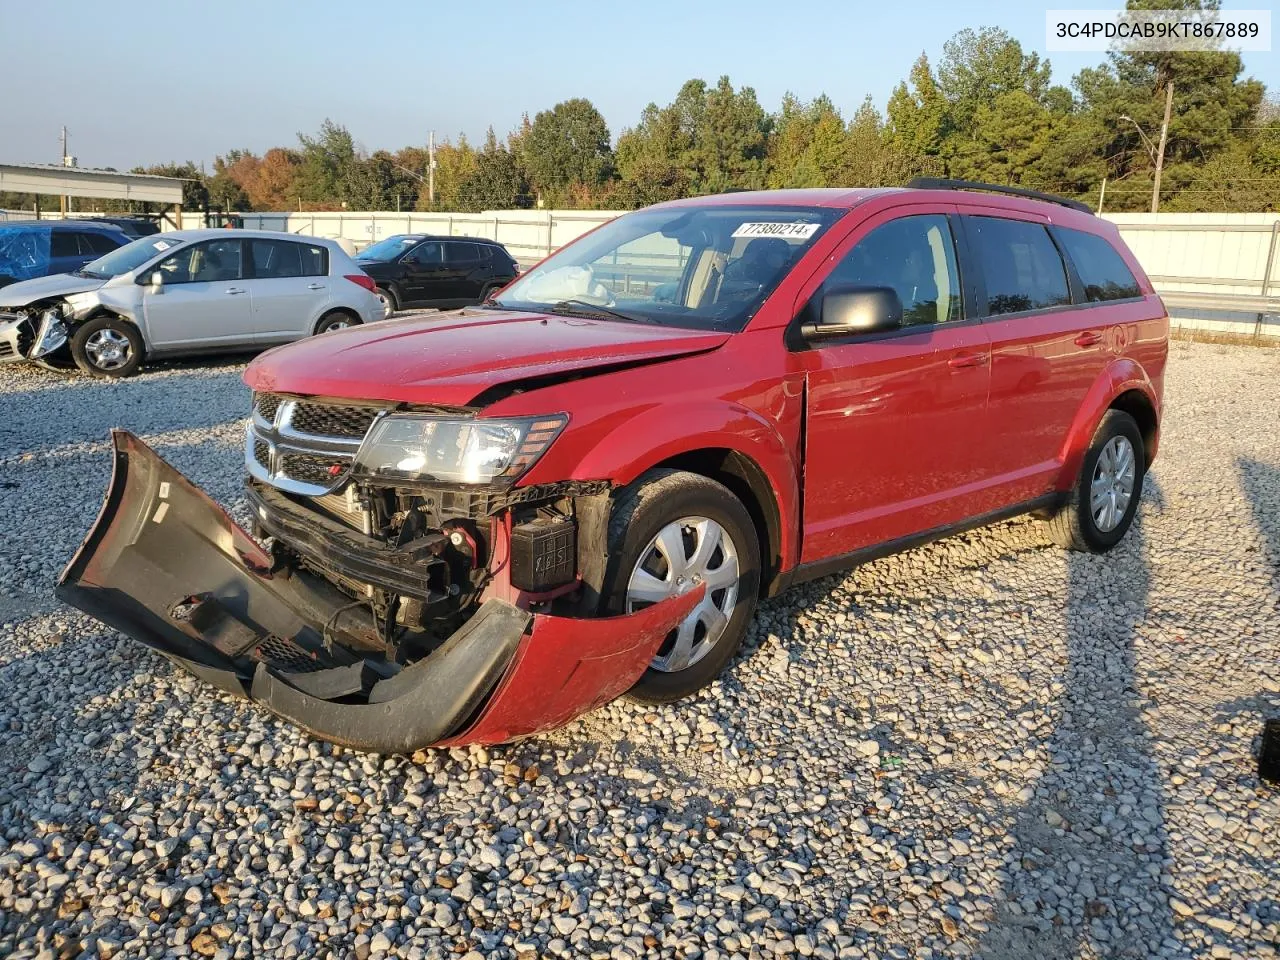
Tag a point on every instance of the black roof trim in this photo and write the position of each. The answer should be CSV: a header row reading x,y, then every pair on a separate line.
x,y
938,183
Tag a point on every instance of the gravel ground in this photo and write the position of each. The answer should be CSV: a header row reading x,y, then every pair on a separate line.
x,y
986,747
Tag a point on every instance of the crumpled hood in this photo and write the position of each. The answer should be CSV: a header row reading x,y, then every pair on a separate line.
x,y
59,285
452,358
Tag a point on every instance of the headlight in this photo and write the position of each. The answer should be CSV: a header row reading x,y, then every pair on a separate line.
x,y
51,334
427,448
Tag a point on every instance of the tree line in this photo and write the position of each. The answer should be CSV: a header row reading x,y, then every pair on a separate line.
x,y
986,110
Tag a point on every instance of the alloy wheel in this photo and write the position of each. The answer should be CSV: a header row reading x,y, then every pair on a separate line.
x,y
1112,486
108,349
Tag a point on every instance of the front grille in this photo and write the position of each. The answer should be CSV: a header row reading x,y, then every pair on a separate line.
x,y
262,452
6,349
327,420
266,405
317,470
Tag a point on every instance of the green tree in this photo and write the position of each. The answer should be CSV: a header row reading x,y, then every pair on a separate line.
x,y
917,115
565,146
497,182
327,170
808,146
978,67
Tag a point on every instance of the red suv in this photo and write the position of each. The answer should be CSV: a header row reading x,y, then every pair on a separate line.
x,y
486,523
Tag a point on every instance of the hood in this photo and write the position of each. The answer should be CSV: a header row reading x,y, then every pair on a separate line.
x,y
59,285
450,359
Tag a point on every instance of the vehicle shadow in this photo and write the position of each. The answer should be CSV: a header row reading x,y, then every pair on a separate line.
x,y
1087,848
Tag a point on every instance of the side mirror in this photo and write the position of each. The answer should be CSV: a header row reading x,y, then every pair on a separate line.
x,y
155,282
846,311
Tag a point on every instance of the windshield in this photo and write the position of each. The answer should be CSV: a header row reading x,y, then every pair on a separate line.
x,y
387,249
128,258
705,267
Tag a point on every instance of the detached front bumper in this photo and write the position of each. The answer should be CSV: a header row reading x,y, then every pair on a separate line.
x,y
165,565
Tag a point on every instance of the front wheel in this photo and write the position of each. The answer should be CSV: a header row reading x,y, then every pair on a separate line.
x,y
671,532
1105,497
107,347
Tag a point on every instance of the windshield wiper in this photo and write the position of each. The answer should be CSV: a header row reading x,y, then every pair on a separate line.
x,y
574,306
87,274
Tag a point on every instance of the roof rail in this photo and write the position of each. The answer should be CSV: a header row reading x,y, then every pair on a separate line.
x,y
937,183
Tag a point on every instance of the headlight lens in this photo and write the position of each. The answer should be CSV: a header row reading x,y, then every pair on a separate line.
x,y
445,450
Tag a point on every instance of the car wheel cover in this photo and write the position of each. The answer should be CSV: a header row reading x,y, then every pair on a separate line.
x,y
1111,489
108,349
336,325
685,553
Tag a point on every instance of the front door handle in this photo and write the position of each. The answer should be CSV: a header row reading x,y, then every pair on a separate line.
x,y
315,286
962,360
234,290
1088,338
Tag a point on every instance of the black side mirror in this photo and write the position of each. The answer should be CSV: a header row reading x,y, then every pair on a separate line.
x,y
847,310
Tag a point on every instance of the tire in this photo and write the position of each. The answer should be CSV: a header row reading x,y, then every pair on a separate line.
x,y
107,346
336,320
1078,525
657,501
389,300
491,288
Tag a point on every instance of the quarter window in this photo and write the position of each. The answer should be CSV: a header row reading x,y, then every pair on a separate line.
x,y
213,262
916,257
1021,267
1102,270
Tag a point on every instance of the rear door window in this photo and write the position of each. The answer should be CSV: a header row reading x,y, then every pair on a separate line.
x,y
62,243
97,244
1102,270
280,259
1020,265
461,254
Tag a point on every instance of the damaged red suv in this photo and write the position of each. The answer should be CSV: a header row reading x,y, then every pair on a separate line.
x,y
485,523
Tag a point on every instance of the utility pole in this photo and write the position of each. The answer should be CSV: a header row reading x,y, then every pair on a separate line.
x,y
63,200
1164,139
1102,195
431,167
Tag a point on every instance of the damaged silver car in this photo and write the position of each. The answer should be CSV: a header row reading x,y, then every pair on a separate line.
x,y
189,291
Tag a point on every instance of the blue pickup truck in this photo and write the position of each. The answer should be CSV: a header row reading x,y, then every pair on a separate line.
x,y
40,248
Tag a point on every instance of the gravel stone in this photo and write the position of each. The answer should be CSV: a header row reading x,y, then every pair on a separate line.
x,y
984,747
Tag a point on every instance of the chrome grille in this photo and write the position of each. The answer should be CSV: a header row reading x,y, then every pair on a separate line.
x,y
265,406
303,446
334,421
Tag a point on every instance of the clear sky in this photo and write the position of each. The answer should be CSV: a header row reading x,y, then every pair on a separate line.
x,y
149,81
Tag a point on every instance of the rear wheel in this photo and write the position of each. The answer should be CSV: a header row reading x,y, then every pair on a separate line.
x,y
107,347
336,320
491,288
389,301
672,532
1105,497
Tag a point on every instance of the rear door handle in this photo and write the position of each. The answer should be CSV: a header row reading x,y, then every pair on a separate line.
x,y
315,286
962,360
1088,338
234,290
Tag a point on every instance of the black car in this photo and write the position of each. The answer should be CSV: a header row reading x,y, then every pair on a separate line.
x,y
415,270
132,227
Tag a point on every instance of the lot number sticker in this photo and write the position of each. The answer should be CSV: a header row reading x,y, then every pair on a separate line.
x,y
797,231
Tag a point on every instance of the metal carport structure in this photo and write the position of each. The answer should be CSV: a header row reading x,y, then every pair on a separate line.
x,y
51,179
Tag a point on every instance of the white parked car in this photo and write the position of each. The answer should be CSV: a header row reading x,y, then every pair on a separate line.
x,y
191,291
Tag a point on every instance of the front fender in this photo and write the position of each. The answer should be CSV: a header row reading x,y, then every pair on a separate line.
x,y
1120,376
660,433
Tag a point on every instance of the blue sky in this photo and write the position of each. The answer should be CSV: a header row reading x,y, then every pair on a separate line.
x,y
146,81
